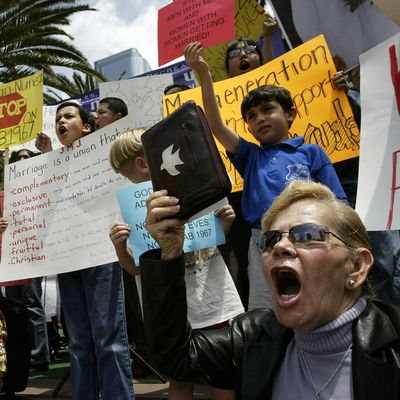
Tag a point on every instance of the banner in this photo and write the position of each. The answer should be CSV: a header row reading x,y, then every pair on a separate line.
x,y
349,29
378,194
323,114
21,104
201,233
60,207
186,21
143,97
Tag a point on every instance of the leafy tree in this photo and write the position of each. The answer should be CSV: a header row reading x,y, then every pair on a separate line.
x,y
32,37
72,87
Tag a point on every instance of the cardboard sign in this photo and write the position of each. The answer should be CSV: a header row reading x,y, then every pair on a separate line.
x,y
324,115
378,194
186,21
21,104
202,233
60,207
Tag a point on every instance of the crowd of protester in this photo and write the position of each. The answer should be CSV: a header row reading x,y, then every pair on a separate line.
x,y
320,321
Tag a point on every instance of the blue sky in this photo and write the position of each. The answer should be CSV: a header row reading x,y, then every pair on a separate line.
x,y
116,26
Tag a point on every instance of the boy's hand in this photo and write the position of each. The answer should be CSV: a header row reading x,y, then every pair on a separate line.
x,y
269,25
227,216
3,224
43,143
119,234
194,59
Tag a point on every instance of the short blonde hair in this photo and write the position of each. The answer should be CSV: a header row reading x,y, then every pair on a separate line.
x,y
345,220
127,146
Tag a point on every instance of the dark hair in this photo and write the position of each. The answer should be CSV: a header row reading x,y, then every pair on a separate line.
x,y
178,85
234,44
86,116
15,153
265,94
116,105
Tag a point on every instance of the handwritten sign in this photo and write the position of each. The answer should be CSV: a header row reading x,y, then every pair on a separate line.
x,y
323,114
21,103
378,194
143,97
201,233
249,18
186,21
60,206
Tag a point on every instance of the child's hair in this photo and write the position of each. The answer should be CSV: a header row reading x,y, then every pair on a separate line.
x,y
126,146
116,105
265,94
234,44
86,116
177,85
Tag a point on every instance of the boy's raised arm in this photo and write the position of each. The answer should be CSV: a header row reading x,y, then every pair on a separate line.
x,y
226,136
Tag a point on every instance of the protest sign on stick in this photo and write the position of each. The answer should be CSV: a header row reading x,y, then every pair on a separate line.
x,y
186,21
378,193
324,115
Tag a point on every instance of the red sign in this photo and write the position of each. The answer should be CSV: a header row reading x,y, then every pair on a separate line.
x,y
186,21
12,109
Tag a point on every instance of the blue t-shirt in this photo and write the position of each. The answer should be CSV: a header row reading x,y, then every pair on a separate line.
x,y
266,171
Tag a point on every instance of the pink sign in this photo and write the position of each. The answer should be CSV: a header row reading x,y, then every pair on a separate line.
x,y
185,21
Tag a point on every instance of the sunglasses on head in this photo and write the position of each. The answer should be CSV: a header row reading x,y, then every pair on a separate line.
x,y
302,233
247,50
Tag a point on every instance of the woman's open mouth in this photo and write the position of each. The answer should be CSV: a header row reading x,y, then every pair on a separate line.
x,y
287,284
244,65
62,130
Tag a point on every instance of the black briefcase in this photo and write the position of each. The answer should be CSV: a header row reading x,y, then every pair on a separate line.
x,y
183,158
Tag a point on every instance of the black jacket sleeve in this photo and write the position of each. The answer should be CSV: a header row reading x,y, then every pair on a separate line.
x,y
203,357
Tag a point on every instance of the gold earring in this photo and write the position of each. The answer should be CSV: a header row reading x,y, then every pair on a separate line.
x,y
351,283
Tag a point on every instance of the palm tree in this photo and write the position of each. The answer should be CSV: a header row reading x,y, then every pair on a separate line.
x,y
30,32
79,84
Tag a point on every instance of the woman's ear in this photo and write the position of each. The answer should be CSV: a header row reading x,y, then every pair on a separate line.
x,y
86,129
362,263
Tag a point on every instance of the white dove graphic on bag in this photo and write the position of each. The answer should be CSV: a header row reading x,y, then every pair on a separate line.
x,y
170,161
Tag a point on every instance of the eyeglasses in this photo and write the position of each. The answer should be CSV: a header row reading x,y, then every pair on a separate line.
x,y
303,233
247,50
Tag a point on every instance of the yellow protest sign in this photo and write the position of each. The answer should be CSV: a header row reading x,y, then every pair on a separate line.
x,y
324,115
21,110
249,18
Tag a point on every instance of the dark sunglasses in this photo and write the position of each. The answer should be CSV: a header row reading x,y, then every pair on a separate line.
x,y
247,50
302,233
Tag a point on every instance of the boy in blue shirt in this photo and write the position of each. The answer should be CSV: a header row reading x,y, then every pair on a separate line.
x,y
266,168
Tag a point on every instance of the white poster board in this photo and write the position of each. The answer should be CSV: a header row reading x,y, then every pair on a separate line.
x,y
378,194
60,206
143,97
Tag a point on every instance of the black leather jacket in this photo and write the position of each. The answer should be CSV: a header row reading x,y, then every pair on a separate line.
x,y
247,355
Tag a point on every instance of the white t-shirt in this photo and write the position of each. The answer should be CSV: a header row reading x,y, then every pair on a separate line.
x,y
212,297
